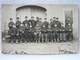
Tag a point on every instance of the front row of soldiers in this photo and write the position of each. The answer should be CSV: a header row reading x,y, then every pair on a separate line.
x,y
38,31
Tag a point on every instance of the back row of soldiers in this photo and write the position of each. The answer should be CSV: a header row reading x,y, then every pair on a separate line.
x,y
38,31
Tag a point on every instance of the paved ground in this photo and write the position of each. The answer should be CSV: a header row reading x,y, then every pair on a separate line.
x,y
40,48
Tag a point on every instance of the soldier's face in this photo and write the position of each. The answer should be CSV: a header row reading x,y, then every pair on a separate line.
x,y
17,19
32,18
26,18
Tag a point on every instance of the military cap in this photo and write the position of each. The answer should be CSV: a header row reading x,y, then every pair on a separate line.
x,y
50,19
54,17
57,18
40,18
37,17
17,17
45,18
32,17
10,18
26,17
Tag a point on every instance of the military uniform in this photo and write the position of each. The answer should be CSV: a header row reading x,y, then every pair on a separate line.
x,y
62,34
49,31
37,33
10,25
21,34
18,23
31,34
13,33
25,22
26,32
69,34
56,31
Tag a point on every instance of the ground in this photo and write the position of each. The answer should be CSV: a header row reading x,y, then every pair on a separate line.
x,y
40,48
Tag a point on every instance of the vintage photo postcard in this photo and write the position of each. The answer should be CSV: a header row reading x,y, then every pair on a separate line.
x,y
39,29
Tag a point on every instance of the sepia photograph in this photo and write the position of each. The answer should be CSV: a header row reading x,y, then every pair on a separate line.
x,y
39,29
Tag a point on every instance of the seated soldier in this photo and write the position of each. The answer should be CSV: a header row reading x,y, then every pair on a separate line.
x,y
62,33
21,33
31,34
13,34
69,34
56,31
37,33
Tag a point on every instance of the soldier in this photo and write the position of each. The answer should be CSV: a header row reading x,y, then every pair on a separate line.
x,y
49,31
33,22
26,32
69,34
43,30
26,21
11,23
46,27
31,34
68,21
62,33
21,33
56,31
18,23
39,22
37,33
13,34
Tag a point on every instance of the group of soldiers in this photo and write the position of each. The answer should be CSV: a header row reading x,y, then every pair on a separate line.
x,y
37,31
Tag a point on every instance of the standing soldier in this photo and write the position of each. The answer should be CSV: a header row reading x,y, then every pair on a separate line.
x,y
69,30
26,21
33,22
11,23
46,27
18,23
13,34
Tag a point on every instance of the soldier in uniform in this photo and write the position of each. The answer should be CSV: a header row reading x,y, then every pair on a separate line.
x,y
62,33
21,33
26,32
69,34
11,23
33,22
13,33
26,21
37,33
43,31
69,30
31,34
68,21
46,27
56,32
18,23
49,31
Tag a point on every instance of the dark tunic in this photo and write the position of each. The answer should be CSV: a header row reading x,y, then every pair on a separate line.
x,y
10,25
